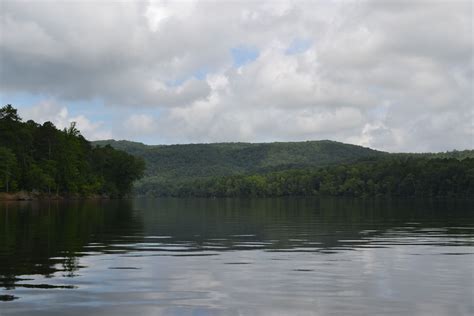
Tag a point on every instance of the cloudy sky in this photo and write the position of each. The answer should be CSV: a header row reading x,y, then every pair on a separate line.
x,y
392,75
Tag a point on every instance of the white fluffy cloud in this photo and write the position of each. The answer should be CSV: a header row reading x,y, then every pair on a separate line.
x,y
394,75
60,117
140,124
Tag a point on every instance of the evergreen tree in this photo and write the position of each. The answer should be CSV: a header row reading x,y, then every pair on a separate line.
x,y
41,158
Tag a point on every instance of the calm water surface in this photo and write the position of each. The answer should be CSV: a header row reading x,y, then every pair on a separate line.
x,y
237,257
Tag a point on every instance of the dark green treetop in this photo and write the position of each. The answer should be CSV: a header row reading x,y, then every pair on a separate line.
x,y
35,157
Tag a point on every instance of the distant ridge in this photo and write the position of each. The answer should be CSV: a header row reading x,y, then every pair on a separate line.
x,y
184,162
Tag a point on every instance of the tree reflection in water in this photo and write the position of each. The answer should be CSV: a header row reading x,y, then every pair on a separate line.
x,y
49,238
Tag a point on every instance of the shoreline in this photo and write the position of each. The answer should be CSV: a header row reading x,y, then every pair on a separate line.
x,y
35,196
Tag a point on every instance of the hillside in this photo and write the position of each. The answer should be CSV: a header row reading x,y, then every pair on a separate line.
x,y
178,163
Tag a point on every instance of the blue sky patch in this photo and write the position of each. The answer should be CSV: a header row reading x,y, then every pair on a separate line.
x,y
22,100
243,55
176,82
298,46
201,73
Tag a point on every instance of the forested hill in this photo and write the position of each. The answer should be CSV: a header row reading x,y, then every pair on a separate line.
x,y
218,159
298,168
42,159
181,163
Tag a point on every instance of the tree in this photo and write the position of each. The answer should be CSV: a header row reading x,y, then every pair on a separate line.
x,y
8,112
43,158
72,130
8,165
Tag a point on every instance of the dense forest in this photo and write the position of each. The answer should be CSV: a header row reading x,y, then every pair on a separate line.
x,y
41,158
403,177
174,164
299,168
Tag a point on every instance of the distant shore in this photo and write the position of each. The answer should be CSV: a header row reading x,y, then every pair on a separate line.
x,y
36,196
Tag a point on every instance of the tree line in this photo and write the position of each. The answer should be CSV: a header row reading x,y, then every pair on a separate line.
x,y
41,158
395,176
187,162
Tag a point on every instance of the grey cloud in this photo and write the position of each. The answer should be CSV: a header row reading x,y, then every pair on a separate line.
x,y
409,61
78,51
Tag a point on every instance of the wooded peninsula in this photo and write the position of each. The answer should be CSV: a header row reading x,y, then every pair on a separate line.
x,y
60,163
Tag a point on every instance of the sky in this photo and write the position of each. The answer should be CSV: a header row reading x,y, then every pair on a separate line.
x,y
390,75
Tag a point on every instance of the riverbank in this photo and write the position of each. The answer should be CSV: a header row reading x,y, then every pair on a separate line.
x,y
35,196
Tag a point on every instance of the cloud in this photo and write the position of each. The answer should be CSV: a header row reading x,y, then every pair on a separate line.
x,y
140,124
394,75
60,117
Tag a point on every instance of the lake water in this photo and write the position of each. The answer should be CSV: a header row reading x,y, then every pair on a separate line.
x,y
237,257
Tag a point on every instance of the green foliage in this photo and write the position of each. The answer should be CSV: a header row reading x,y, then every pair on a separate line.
x,y
8,112
8,166
302,168
403,177
41,158
456,154
169,166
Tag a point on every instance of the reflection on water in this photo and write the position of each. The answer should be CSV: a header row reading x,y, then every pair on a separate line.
x,y
237,257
